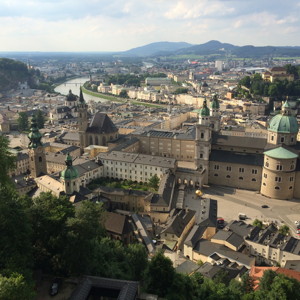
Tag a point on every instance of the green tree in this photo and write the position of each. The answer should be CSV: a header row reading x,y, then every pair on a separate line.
x,y
267,280
137,259
258,223
7,161
123,94
15,237
284,229
15,287
154,181
180,90
49,215
246,81
159,275
40,119
23,121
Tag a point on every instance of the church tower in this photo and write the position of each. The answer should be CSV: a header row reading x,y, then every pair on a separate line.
x,y
69,177
82,121
203,142
37,158
215,114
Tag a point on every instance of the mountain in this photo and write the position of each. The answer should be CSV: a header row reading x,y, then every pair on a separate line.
x,y
218,48
159,48
11,73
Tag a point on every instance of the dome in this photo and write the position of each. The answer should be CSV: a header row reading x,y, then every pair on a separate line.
x,y
69,173
204,111
71,96
283,124
215,103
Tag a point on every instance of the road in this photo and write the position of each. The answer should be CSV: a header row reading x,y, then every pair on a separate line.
x,y
232,201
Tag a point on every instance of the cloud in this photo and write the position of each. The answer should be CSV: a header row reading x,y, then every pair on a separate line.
x,y
112,25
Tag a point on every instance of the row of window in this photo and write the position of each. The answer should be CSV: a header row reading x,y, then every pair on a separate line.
x,y
277,187
240,178
278,178
282,139
241,170
280,167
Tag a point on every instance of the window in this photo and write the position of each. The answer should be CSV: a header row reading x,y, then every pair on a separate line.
x,y
265,175
277,188
267,164
282,139
278,179
216,167
201,155
290,187
241,170
291,179
228,169
253,179
228,176
279,167
272,138
202,135
292,139
216,175
254,171
264,184
292,167
241,178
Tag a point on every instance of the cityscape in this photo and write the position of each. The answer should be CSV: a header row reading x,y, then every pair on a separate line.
x,y
146,169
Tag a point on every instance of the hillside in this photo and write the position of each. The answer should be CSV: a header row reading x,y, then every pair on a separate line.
x,y
11,73
158,48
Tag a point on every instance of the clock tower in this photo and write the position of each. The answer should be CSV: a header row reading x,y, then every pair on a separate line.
x,y
37,158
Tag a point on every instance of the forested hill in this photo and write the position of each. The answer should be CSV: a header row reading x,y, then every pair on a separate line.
x,y
11,73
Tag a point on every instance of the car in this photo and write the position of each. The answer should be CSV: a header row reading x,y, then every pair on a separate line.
x,y
54,287
297,222
298,226
264,206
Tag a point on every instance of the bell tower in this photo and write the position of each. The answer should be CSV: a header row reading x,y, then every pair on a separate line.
x,y
82,121
37,158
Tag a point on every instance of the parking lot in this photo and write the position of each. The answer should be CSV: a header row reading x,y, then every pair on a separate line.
x,y
232,201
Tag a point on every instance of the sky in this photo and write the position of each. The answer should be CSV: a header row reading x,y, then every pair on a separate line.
x,y
117,25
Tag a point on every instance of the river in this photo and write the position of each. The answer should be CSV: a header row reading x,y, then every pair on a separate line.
x,y
74,85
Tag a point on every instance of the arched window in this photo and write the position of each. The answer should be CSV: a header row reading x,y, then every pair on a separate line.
x,y
40,159
91,140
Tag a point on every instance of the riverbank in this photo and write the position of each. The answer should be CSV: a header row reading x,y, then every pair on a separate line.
x,y
118,99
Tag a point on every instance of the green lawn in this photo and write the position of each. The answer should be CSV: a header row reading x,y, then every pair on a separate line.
x,y
122,184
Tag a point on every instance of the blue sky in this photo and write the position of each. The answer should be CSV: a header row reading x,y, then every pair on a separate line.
x,y
114,25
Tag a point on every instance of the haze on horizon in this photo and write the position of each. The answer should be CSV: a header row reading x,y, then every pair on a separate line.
x,y
117,25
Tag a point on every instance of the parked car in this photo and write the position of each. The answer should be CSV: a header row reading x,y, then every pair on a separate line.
x,y
264,206
54,287
242,216
220,223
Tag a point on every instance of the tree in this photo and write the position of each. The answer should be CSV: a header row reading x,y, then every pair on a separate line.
x,y
15,237
258,223
267,280
7,161
159,275
23,121
49,215
284,229
123,94
154,181
40,119
15,287
180,90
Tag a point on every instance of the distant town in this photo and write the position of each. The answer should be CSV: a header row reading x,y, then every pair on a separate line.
x,y
189,162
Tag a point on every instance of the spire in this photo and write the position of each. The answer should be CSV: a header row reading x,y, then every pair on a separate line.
x,y
204,111
81,99
215,102
34,136
68,160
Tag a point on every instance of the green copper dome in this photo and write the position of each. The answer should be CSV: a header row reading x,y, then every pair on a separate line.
x,y
284,124
215,103
34,135
204,111
70,172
